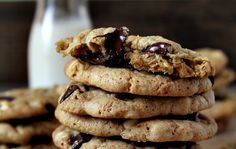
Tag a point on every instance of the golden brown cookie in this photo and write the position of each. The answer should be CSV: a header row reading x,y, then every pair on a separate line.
x,y
113,47
223,79
157,54
25,103
65,138
217,57
84,100
11,133
173,128
123,80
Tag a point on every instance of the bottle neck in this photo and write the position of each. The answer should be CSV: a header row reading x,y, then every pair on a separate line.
x,y
61,8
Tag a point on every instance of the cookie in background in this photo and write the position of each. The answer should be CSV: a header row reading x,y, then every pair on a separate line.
x,y
27,118
224,108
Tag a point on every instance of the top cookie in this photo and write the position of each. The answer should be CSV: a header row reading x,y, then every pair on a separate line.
x,y
217,57
113,47
25,103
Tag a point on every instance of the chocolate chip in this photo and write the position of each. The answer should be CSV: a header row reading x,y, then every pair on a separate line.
x,y
114,47
77,140
77,143
212,79
160,48
113,55
7,98
68,92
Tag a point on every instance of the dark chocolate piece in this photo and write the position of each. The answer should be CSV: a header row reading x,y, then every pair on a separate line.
x,y
114,54
160,48
69,91
7,98
77,140
114,47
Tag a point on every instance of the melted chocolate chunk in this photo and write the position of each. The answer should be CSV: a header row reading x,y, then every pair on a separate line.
x,y
7,98
212,79
160,48
77,140
69,91
114,55
114,47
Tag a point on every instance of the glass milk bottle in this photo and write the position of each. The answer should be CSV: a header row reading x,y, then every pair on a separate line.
x,y
54,20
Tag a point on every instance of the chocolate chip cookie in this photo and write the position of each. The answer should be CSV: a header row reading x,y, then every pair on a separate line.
x,y
133,92
65,138
123,80
23,132
217,57
27,116
25,103
192,127
114,48
224,78
84,100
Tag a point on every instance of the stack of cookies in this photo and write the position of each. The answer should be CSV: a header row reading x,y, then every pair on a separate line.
x,y
27,118
224,108
131,92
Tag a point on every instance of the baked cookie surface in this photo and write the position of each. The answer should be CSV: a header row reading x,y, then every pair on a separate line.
x,y
113,47
122,80
83,100
177,128
65,138
25,103
11,133
224,78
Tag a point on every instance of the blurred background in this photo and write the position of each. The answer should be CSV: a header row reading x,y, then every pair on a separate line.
x,y
192,23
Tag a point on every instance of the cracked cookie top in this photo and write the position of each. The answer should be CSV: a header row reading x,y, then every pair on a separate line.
x,y
113,47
